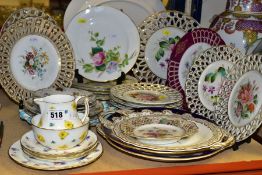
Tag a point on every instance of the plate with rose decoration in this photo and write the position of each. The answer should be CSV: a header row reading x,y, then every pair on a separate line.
x,y
34,54
205,79
159,33
185,51
239,111
105,41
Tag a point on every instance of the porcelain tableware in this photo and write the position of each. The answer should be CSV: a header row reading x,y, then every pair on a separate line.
x,y
60,111
17,154
60,139
33,148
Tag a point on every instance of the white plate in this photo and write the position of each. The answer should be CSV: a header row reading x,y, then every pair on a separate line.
x,y
105,42
35,54
136,10
17,154
239,111
29,142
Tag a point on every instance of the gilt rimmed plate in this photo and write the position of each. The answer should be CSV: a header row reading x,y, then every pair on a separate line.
x,y
185,51
105,41
157,129
158,35
17,154
30,145
239,111
23,14
34,54
146,94
206,77
136,10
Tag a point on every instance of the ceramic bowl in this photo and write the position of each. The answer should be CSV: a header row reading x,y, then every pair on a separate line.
x,y
244,6
60,139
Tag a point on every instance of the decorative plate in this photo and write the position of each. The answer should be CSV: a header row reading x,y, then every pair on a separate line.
x,y
239,111
166,157
17,154
185,51
23,14
209,136
206,77
34,54
157,128
105,41
146,94
136,10
158,35
30,145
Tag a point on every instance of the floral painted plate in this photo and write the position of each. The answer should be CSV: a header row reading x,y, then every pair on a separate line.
x,y
17,154
185,51
157,129
31,147
146,94
239,111
105,41
34,54
159,33
205,79
136,10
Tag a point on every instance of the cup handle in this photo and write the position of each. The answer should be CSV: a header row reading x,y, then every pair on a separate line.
x,y
86,102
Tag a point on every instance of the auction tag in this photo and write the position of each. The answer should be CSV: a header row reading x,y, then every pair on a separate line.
x,y
56,115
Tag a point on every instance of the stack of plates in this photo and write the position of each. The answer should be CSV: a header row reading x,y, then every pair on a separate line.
x,y
29,153
163,136
144,95
101,89
95,107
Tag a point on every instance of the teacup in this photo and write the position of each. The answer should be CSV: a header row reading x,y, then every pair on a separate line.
x,y
60,111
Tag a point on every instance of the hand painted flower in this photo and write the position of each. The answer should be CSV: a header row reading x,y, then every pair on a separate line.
x,y
246,94
99,58
112,67
239,109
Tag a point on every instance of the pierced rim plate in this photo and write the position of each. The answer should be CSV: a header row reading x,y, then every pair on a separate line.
x,y
206,77
157,128
28,142
23,14
35,54
136,10
17,154
103,52
146,94
158,35
185,51
239,111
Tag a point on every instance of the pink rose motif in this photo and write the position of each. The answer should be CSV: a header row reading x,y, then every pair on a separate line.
x,y
99,58
246,94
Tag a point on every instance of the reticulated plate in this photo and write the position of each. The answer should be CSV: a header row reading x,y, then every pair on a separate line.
x,y
105,41
17,154
239,111
206,77
209,136
23,14
157,128
34,54
30,145
146,94
185,51
136,10
158,35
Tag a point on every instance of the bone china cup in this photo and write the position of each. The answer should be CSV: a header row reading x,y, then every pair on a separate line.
x,y
60,138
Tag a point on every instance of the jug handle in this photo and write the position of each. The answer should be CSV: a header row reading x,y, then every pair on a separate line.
x,y
86,106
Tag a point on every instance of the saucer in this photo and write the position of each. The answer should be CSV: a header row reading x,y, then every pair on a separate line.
x,y
17,154
33,148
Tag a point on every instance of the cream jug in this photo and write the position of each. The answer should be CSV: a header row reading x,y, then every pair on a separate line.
x,y
60,111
